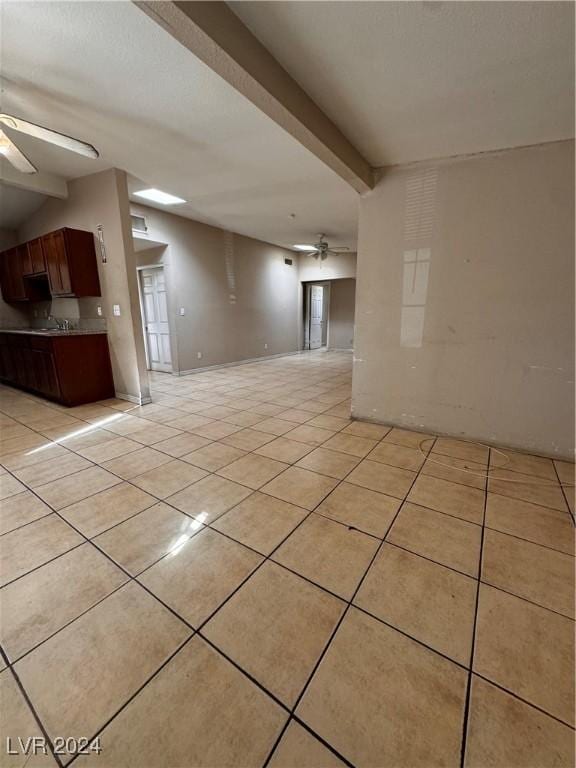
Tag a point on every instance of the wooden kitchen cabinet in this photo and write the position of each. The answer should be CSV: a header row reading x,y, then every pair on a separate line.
x,y
60,263
71,263
70,368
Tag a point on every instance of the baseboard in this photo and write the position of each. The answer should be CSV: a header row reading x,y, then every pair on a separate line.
x,y
340,349
133,398
237,362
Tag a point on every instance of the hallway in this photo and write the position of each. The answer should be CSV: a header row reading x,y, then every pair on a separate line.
x,y
238,574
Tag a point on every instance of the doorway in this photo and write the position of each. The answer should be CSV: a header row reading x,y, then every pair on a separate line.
x,y
316,305
155,320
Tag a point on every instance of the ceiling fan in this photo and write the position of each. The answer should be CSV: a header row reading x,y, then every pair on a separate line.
x,y
18,159
321,249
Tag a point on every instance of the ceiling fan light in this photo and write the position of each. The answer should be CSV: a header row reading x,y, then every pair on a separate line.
x,y
304,247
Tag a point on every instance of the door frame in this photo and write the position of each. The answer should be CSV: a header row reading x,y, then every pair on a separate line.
x,y
139,271
306,286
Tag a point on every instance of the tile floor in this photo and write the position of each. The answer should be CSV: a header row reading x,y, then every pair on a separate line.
x,y
239,575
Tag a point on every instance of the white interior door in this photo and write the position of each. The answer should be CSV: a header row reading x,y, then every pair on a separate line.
x,y
316,315
155,310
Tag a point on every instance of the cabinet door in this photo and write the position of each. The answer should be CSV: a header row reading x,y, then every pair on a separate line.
x,y
11,278
26,259
5,282
54,248
44,373
36,256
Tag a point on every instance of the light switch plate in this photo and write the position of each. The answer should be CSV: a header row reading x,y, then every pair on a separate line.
x,y
182,311
116,310
99,310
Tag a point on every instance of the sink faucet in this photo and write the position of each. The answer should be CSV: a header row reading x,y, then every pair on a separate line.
x,y
63,324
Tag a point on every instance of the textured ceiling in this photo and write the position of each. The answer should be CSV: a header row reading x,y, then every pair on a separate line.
x,y
106,73
409,81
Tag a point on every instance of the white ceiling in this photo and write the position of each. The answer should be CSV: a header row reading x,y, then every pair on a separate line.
x,y
403,80
409,81
16,205
106,73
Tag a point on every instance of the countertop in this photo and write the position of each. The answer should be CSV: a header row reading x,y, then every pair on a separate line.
x,y
52,332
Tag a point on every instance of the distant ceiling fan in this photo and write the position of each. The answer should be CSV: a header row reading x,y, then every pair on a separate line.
x,y
321,249
19,160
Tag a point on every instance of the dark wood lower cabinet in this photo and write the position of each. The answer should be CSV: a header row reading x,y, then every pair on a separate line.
x,y
71,369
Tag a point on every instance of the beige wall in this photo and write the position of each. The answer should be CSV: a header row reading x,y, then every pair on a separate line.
x,y
334,267
238,295
341,318
465,299
102,198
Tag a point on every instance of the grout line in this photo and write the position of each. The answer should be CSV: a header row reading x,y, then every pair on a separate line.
x,y
474,630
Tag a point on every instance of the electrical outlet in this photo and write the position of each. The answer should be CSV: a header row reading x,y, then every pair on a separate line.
x,y
199,355
265,346
182,311
99,310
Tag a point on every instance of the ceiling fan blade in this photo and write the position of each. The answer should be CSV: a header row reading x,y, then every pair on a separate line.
x,y
18,159
52,137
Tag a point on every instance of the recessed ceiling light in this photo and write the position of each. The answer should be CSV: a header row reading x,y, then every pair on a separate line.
x,y
304,247
157,196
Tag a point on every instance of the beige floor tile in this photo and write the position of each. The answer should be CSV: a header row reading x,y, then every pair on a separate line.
x,y
43,601
33,545
248,439
260,522
397,456
209,498
528,570
330,554
146,537
452,498
331,422
351,444
168,478
181,444
444,539
10,486
276,627
312,406
103,510
282,449
375,476
455,470
301,487
27,458
535,466
217,412
20,444
68,490
431,603
276,426
244,418
266,409
21,509
18,722
357,507
366,429
526,649
191,422
199,575
461,449
532,522
84,674
504,731
298,747
331,463
136,462
39,474
310,435
565,470
208,712
408,714
213,456
410,439
110,449
216,430
295,415
527,488
252,470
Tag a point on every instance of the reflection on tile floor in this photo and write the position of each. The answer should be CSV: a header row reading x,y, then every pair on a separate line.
x,y
238,574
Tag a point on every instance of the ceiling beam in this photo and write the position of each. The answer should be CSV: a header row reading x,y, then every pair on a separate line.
x,y
216,36
43,183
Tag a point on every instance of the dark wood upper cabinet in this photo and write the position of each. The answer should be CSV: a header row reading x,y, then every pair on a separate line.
x,y
33,261
60,263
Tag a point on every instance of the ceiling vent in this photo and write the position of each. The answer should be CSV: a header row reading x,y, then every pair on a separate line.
x,y
139,224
